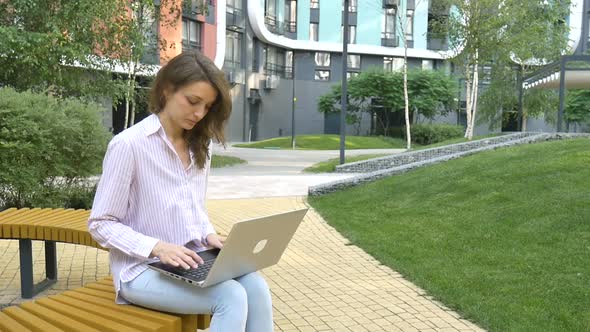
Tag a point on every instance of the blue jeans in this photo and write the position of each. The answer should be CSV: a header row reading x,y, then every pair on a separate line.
x,y
241,304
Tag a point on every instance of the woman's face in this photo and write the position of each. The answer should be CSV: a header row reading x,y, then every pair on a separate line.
x,y
189,104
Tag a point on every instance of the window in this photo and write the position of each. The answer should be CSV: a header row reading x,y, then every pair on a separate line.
x,y
351,74
314,4
410,24
388,28
191,34
313,31
322,59
275,60
351,33
427,64
393,64
352,5
233,42
291,15
237,4
270,7
322,75
354,61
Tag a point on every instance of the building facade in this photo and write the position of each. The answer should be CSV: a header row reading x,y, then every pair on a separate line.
x,y
280,56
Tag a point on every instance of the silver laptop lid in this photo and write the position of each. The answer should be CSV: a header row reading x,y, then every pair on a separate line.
x,y
253,245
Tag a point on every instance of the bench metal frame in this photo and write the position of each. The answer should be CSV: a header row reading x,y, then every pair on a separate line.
x,y
28,287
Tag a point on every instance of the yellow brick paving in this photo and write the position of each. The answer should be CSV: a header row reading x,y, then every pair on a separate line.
x,y
321,284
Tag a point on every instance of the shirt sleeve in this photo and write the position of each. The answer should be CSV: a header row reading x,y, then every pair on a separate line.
x,y
206,226
112,201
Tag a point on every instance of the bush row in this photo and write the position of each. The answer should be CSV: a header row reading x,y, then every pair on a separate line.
x,y
48,147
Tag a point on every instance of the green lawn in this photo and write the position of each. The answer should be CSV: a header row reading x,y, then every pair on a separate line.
x,y
327,142
223,161
330,164
503,236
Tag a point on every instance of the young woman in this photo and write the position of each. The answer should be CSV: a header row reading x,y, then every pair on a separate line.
x,y
150,201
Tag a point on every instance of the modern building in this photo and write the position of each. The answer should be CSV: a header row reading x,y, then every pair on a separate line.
x,y
280,56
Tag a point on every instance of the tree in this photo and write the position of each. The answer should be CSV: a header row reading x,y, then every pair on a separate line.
x,y
71,48
404,27
500,34
45,45
577,108
381,93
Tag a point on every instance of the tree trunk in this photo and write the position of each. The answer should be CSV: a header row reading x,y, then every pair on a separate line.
x,y
467,97
127,105
406,100
523,124
474,99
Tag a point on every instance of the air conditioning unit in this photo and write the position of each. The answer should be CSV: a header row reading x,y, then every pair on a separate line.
x,y
390,3
234,76
271,82
230,76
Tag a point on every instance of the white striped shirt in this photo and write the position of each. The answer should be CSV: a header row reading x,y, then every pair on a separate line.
x,y
144,195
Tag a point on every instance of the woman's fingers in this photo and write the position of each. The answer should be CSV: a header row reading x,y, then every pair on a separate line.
x,y
193,255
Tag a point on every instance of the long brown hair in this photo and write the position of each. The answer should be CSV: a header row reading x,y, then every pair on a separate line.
x,y
186,68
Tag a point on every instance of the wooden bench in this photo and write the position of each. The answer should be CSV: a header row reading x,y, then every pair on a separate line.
x,y
70,226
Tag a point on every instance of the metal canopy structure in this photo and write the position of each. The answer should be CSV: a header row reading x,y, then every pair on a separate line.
x,y
570,72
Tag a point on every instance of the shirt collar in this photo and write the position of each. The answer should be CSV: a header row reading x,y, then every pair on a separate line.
x,y
152,125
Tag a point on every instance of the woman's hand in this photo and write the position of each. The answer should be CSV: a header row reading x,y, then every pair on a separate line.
x,y
215,241
176,255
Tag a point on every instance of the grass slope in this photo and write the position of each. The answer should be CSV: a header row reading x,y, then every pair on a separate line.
x,y
502,236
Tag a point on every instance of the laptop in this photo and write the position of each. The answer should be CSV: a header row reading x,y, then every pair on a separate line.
x,y
250,246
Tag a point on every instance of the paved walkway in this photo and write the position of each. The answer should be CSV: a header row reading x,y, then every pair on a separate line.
x,y
322,283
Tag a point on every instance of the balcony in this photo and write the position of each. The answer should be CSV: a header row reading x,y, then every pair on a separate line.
x,y
291,26
437,42
273,25
234,19
390,3
389,39
274,69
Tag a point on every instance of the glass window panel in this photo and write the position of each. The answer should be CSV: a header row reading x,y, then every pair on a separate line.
x,y
354,61
322,75
322,59
184,29
388,63
313,31
427,64
352,34
352,74
289,60
193,32
410,23
314,4
271,7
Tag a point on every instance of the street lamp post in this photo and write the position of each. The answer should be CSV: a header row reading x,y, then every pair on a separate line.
x,y
293,100
344,99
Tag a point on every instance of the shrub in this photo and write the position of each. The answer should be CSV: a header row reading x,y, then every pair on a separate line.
x,y
47,146
433,133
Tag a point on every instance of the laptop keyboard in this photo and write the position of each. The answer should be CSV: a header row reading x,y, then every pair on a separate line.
x,y
196,274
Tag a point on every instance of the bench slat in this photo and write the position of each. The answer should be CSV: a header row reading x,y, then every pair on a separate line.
x,y
104,324
117,316
9,324
97,293
142,313
57,319
29,320
100,287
